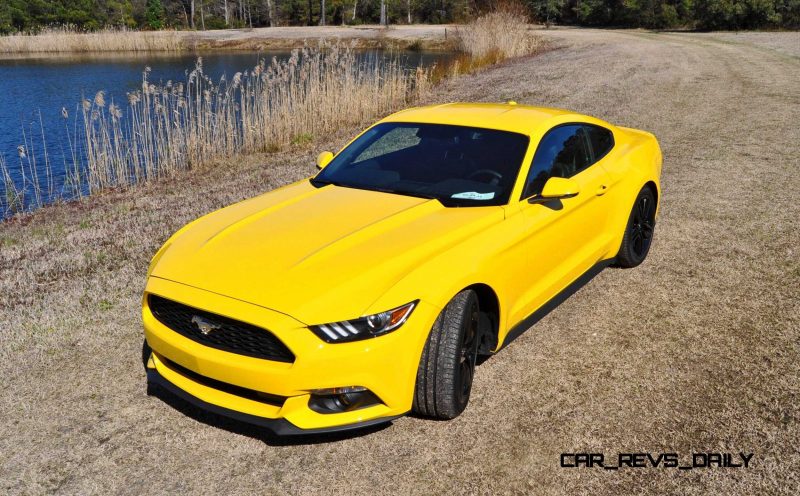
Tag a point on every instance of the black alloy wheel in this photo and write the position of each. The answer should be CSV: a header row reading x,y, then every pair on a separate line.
x,y
640,230
643,224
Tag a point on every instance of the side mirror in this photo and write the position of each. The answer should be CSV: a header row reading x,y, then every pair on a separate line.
x,y
324,159
556,188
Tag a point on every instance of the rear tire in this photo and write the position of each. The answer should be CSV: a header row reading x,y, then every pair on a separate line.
x,y
447,365
639,230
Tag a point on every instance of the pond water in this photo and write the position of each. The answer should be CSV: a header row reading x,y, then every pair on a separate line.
x,y
35,93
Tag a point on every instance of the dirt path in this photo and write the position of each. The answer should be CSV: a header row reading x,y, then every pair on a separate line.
x,y
696,350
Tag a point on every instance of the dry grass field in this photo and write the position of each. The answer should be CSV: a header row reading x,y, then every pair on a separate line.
x,y
697,350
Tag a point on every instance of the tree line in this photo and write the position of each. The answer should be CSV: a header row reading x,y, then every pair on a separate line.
x,y
664,14
33,15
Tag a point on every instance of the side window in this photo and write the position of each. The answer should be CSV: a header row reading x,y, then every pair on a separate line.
x,y
601,140
562,152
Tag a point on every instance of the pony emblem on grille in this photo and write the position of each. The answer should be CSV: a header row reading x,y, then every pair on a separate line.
x,y
206,326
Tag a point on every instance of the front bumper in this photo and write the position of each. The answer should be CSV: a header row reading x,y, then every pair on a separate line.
x,y
385,365
277,426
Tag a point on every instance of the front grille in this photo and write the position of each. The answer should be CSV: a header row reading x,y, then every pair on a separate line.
x,y
227,334
250,394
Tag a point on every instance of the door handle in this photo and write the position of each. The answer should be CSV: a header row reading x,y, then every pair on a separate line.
x,y
602,190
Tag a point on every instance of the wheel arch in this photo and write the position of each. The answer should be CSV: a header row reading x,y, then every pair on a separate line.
x,y
638,168
654,189
489,305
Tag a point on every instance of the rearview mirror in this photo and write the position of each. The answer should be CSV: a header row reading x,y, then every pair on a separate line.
x,y
557,188
324,159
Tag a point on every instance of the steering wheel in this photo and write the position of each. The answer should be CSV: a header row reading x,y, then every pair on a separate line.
x,y
496,177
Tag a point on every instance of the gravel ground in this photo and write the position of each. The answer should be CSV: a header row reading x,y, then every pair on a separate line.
x,y
697,350
784,42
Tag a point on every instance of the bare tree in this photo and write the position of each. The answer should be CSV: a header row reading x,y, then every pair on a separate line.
x,y
321,12
202,15
383,12
270,14
355,5
191,17
225,10
408,9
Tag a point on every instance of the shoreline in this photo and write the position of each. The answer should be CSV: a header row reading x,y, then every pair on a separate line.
x,y
415,37
201,51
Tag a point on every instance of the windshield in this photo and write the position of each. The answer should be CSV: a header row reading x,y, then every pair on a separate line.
x,y
459,166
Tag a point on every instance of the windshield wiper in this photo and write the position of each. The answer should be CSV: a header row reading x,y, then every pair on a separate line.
x,y
324,182
406,193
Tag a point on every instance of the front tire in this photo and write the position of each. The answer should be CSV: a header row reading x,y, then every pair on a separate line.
x,y
639,230
447,366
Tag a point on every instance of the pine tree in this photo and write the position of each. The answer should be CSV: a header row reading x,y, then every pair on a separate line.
x,y
155,14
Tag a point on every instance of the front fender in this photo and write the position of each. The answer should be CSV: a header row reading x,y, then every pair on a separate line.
x,y
486,257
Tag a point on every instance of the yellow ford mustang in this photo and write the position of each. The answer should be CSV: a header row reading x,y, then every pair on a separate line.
x,y
437,235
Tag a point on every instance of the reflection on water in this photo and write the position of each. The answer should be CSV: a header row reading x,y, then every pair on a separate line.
x,y
41,96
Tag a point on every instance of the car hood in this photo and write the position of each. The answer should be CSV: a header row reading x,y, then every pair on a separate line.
x,y
316,254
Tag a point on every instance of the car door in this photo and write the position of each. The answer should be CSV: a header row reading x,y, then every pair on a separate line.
x,y
562,238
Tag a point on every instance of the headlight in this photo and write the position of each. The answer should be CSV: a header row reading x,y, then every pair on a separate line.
x,y
364,327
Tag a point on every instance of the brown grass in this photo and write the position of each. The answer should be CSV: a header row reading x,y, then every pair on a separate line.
x,y
695,350
65,40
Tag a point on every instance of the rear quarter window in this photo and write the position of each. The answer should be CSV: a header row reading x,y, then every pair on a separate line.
x,y
601,141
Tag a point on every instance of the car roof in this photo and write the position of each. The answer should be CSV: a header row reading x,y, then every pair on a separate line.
x,y
508,116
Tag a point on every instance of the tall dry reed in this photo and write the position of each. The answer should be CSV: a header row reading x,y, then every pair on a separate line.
x,y
164,129
36,184
67,40
491,38
499,34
